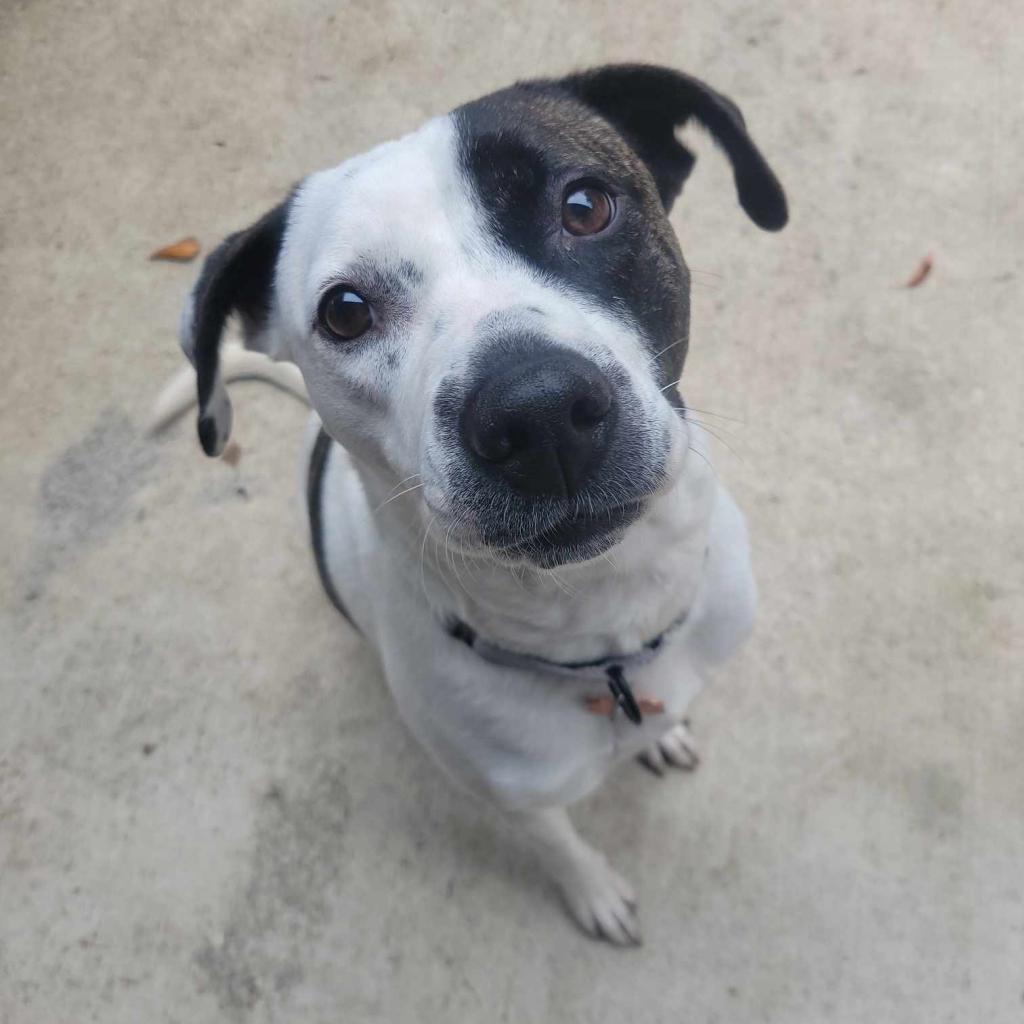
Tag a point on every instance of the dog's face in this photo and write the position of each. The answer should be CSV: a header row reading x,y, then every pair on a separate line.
x,y
493,307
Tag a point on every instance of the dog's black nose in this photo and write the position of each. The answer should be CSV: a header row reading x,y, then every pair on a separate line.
x,y
543,423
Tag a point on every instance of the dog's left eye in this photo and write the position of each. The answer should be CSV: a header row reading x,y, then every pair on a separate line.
x,y
586,209
344,313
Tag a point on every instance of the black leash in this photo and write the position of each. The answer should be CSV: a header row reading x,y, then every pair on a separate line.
x,y
314,502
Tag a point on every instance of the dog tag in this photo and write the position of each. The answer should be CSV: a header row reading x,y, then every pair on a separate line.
x,y
623,694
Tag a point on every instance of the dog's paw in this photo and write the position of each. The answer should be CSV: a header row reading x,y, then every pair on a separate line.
x,y
601,901
675,749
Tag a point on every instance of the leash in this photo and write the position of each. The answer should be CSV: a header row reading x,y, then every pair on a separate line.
x,y
314,502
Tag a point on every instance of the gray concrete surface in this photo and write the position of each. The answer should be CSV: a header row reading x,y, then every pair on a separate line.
x,y
208,811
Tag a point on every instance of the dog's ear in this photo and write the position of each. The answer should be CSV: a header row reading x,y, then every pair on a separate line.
x,y
237,277
647,104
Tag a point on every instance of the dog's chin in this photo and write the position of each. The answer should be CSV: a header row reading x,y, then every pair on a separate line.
x,y
577,538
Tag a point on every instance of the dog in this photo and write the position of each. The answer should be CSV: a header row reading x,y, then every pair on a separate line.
x,y
506,497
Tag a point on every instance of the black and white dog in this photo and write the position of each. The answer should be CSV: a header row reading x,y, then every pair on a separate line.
x,y
490,318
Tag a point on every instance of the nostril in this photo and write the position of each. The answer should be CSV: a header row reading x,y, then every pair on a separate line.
x,y
517,438
503,441
498,449
588,411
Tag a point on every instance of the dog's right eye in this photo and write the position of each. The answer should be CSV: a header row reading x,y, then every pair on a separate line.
x,y
587,209
344,313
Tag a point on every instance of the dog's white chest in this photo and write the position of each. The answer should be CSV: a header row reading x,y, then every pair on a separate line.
x,y
522,735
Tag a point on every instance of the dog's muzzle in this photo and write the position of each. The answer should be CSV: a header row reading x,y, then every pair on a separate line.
x,y
550,456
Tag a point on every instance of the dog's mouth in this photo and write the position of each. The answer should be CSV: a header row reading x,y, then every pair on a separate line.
x,y
574,538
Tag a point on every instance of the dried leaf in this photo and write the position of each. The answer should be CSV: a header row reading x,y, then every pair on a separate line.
x,y
924,268
232,454
181,251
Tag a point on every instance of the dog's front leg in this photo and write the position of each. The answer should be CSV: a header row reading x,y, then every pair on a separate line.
x,y
469,715
601,901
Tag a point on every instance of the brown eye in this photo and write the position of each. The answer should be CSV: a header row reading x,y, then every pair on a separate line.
x,y
586,209
344,314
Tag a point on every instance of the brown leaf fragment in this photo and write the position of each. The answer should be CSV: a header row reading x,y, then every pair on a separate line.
x,y
181,251
232,454
924,268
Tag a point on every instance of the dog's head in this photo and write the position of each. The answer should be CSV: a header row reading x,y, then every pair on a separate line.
x,y
495,305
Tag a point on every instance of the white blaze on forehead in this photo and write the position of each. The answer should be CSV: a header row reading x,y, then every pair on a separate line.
x,y
403,200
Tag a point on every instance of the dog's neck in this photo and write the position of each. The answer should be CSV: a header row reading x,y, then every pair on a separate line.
x,y
612,604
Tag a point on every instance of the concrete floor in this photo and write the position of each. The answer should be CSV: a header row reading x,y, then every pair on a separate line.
x,y
208,810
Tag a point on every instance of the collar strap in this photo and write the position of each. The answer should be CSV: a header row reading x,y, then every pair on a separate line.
x,y
610,670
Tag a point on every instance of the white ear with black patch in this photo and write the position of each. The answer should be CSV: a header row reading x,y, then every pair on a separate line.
x,y
648,103
237,277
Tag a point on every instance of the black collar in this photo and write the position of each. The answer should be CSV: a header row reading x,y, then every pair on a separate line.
x,y
610,669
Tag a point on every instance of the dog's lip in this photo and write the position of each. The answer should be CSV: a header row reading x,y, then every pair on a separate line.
x,y
576,529
565,535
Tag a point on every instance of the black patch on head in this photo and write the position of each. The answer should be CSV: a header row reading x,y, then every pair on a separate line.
x,y
511,179
522,146
521,149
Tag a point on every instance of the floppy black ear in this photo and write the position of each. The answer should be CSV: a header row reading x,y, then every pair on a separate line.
x,y
237,277
647,104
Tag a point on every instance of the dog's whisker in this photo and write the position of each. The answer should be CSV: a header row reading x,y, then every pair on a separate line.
x,y
404,480
678,341
395,497
721,440
518,577
716,432
449,562
697,451
560,583
463,554
423,551
707,412
435,560
450,559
